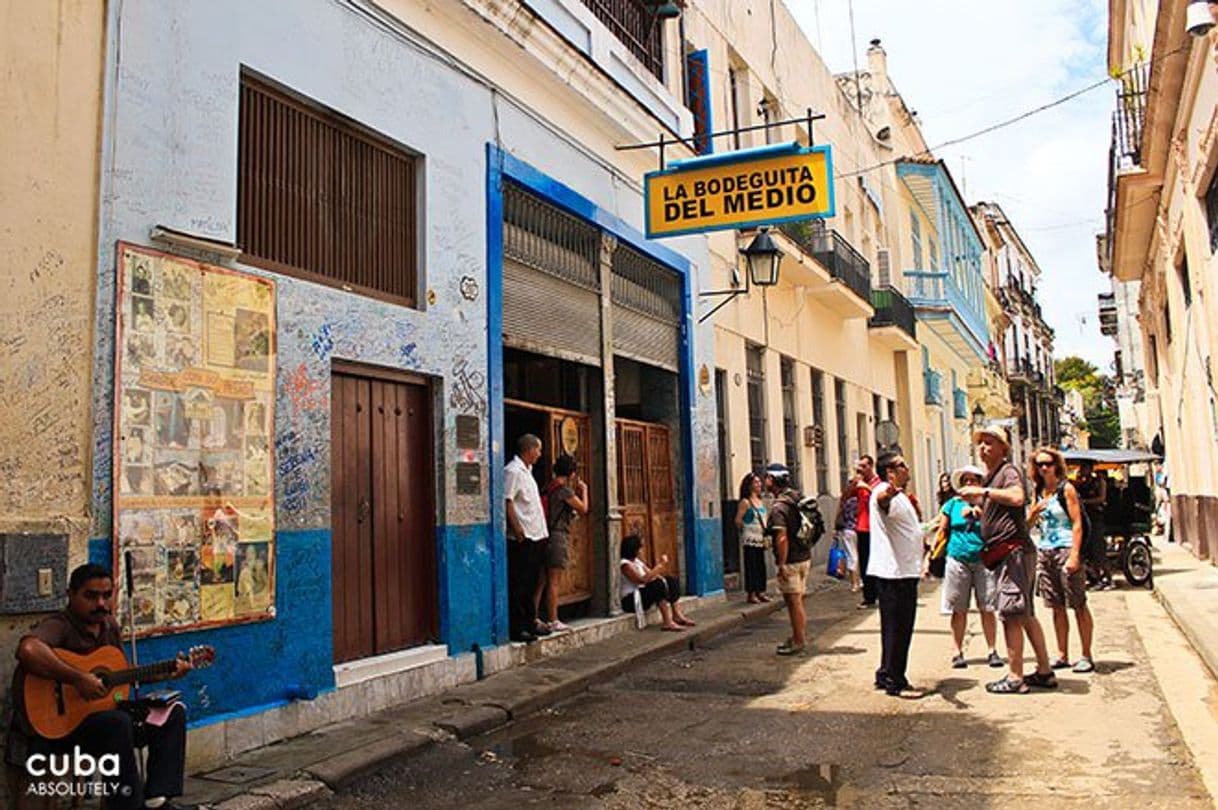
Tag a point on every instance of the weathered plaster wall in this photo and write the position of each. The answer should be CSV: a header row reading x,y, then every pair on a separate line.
x,y
171,123
50,98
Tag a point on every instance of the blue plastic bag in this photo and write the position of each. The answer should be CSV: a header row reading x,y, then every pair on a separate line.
x,y
836,566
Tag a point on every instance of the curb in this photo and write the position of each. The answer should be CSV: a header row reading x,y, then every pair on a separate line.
x,y
317,781
1207,652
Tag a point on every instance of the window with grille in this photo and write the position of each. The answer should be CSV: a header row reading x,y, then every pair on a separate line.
x,y
818,419
755,369
916,239
321,197
635,26
698,99
843,451
1186,285
790,422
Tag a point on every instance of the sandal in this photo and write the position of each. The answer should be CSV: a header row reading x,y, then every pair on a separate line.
x,y
1084,665
958,661
1007,686
1045,681
676,628
687,622
787,648
1060,663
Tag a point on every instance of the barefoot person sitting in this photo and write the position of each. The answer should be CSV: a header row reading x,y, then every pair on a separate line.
x,y
651,585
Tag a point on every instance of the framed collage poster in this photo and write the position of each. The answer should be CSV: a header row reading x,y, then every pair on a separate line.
x,y
193,442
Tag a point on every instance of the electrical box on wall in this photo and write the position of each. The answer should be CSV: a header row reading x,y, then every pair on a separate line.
x,y
33,572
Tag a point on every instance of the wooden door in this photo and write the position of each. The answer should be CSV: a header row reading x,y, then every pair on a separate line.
x,y
571,433
645,488
383,549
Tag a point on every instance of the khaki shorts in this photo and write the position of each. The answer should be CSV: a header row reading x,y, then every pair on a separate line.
x,y
961,580
793,577
1054,585
1016,579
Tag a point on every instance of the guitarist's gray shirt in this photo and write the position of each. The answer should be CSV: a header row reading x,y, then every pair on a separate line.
x,y
61,630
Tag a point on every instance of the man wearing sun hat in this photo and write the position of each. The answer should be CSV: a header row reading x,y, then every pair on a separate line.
x,y
964,575
1009,552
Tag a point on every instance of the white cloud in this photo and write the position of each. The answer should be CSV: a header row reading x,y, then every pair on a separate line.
x,y
966,65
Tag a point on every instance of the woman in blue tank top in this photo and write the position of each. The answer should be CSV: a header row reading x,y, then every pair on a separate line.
x,y
1060,577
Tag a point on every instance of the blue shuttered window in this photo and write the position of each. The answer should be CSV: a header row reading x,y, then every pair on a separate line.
x,y
698,99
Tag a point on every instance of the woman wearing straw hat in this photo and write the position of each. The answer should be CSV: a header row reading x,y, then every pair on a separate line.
x,y
965,577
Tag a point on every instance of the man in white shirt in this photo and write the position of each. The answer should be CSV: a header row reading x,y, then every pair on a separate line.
x,y
526,535
896,563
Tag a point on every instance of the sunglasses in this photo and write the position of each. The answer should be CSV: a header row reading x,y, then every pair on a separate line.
x,y
901,466
1046,464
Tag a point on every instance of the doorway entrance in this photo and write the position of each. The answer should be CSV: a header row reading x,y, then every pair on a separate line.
x,y
383,558
645,489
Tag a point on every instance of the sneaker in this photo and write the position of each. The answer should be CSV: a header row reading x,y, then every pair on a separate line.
x,y
1060,663
541,629
958,661
787,648
995,660
524,637
1046,681
1084,665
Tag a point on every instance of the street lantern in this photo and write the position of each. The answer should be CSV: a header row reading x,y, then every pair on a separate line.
x,y
764,257
978,416
662,10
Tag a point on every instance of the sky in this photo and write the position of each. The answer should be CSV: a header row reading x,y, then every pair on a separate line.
x,y
964,65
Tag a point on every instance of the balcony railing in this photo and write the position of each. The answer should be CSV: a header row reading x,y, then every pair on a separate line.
x,y
1129,118
893,309
960,403
636,28
1108,314
933,383
833,252
938,289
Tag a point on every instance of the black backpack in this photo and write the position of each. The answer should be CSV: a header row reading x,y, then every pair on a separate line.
x,y
811,522
1061,498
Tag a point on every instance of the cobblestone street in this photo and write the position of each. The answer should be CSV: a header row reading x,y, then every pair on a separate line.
x,y
731,725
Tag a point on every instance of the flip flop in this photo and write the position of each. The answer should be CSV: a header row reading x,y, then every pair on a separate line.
x,y
677,629
1084,665
1007,686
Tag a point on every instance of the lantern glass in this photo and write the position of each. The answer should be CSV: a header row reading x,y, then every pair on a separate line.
x,y
764,258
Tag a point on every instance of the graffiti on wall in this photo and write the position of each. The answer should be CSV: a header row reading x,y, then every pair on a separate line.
x,y
193,456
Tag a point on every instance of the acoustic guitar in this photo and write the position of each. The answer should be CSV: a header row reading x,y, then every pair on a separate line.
x,y
54,709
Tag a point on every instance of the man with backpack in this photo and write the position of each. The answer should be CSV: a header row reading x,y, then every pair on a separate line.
x,y
795,525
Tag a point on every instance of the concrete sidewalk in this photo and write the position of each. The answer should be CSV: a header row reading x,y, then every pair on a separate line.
x,y
1188,589
299,771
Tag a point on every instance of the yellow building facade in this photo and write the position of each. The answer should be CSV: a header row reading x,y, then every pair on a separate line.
x,y
1163,233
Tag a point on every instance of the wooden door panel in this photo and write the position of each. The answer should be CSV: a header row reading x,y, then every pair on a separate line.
x,y
646,488
661,499
576,582
383,553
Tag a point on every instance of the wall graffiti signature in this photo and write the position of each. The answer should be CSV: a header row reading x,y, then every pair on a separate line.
x,y
468,386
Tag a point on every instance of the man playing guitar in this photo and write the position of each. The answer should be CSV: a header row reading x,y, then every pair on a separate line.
x,y
84,627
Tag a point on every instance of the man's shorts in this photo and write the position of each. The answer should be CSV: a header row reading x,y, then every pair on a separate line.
x,y
1054,585
1016,578
961,580
793,577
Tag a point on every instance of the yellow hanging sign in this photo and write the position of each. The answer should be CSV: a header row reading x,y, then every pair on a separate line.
x,y
763,186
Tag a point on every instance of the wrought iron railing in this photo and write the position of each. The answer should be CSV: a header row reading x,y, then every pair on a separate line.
x,y
939,290
1129,118
932,381
893,309
1108,314
833,252
635,27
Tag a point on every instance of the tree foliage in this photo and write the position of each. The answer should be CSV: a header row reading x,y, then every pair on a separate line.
x,y
1099,399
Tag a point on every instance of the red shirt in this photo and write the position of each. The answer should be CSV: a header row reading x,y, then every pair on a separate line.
x,y
864,524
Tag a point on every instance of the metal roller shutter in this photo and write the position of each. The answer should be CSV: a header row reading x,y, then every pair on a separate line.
x,y
551,280
646,310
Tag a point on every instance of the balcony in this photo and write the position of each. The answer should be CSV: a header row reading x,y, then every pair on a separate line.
x,y
636,28
938,300
1108,314
932,382
960,403
894,324
1131,188
834,272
